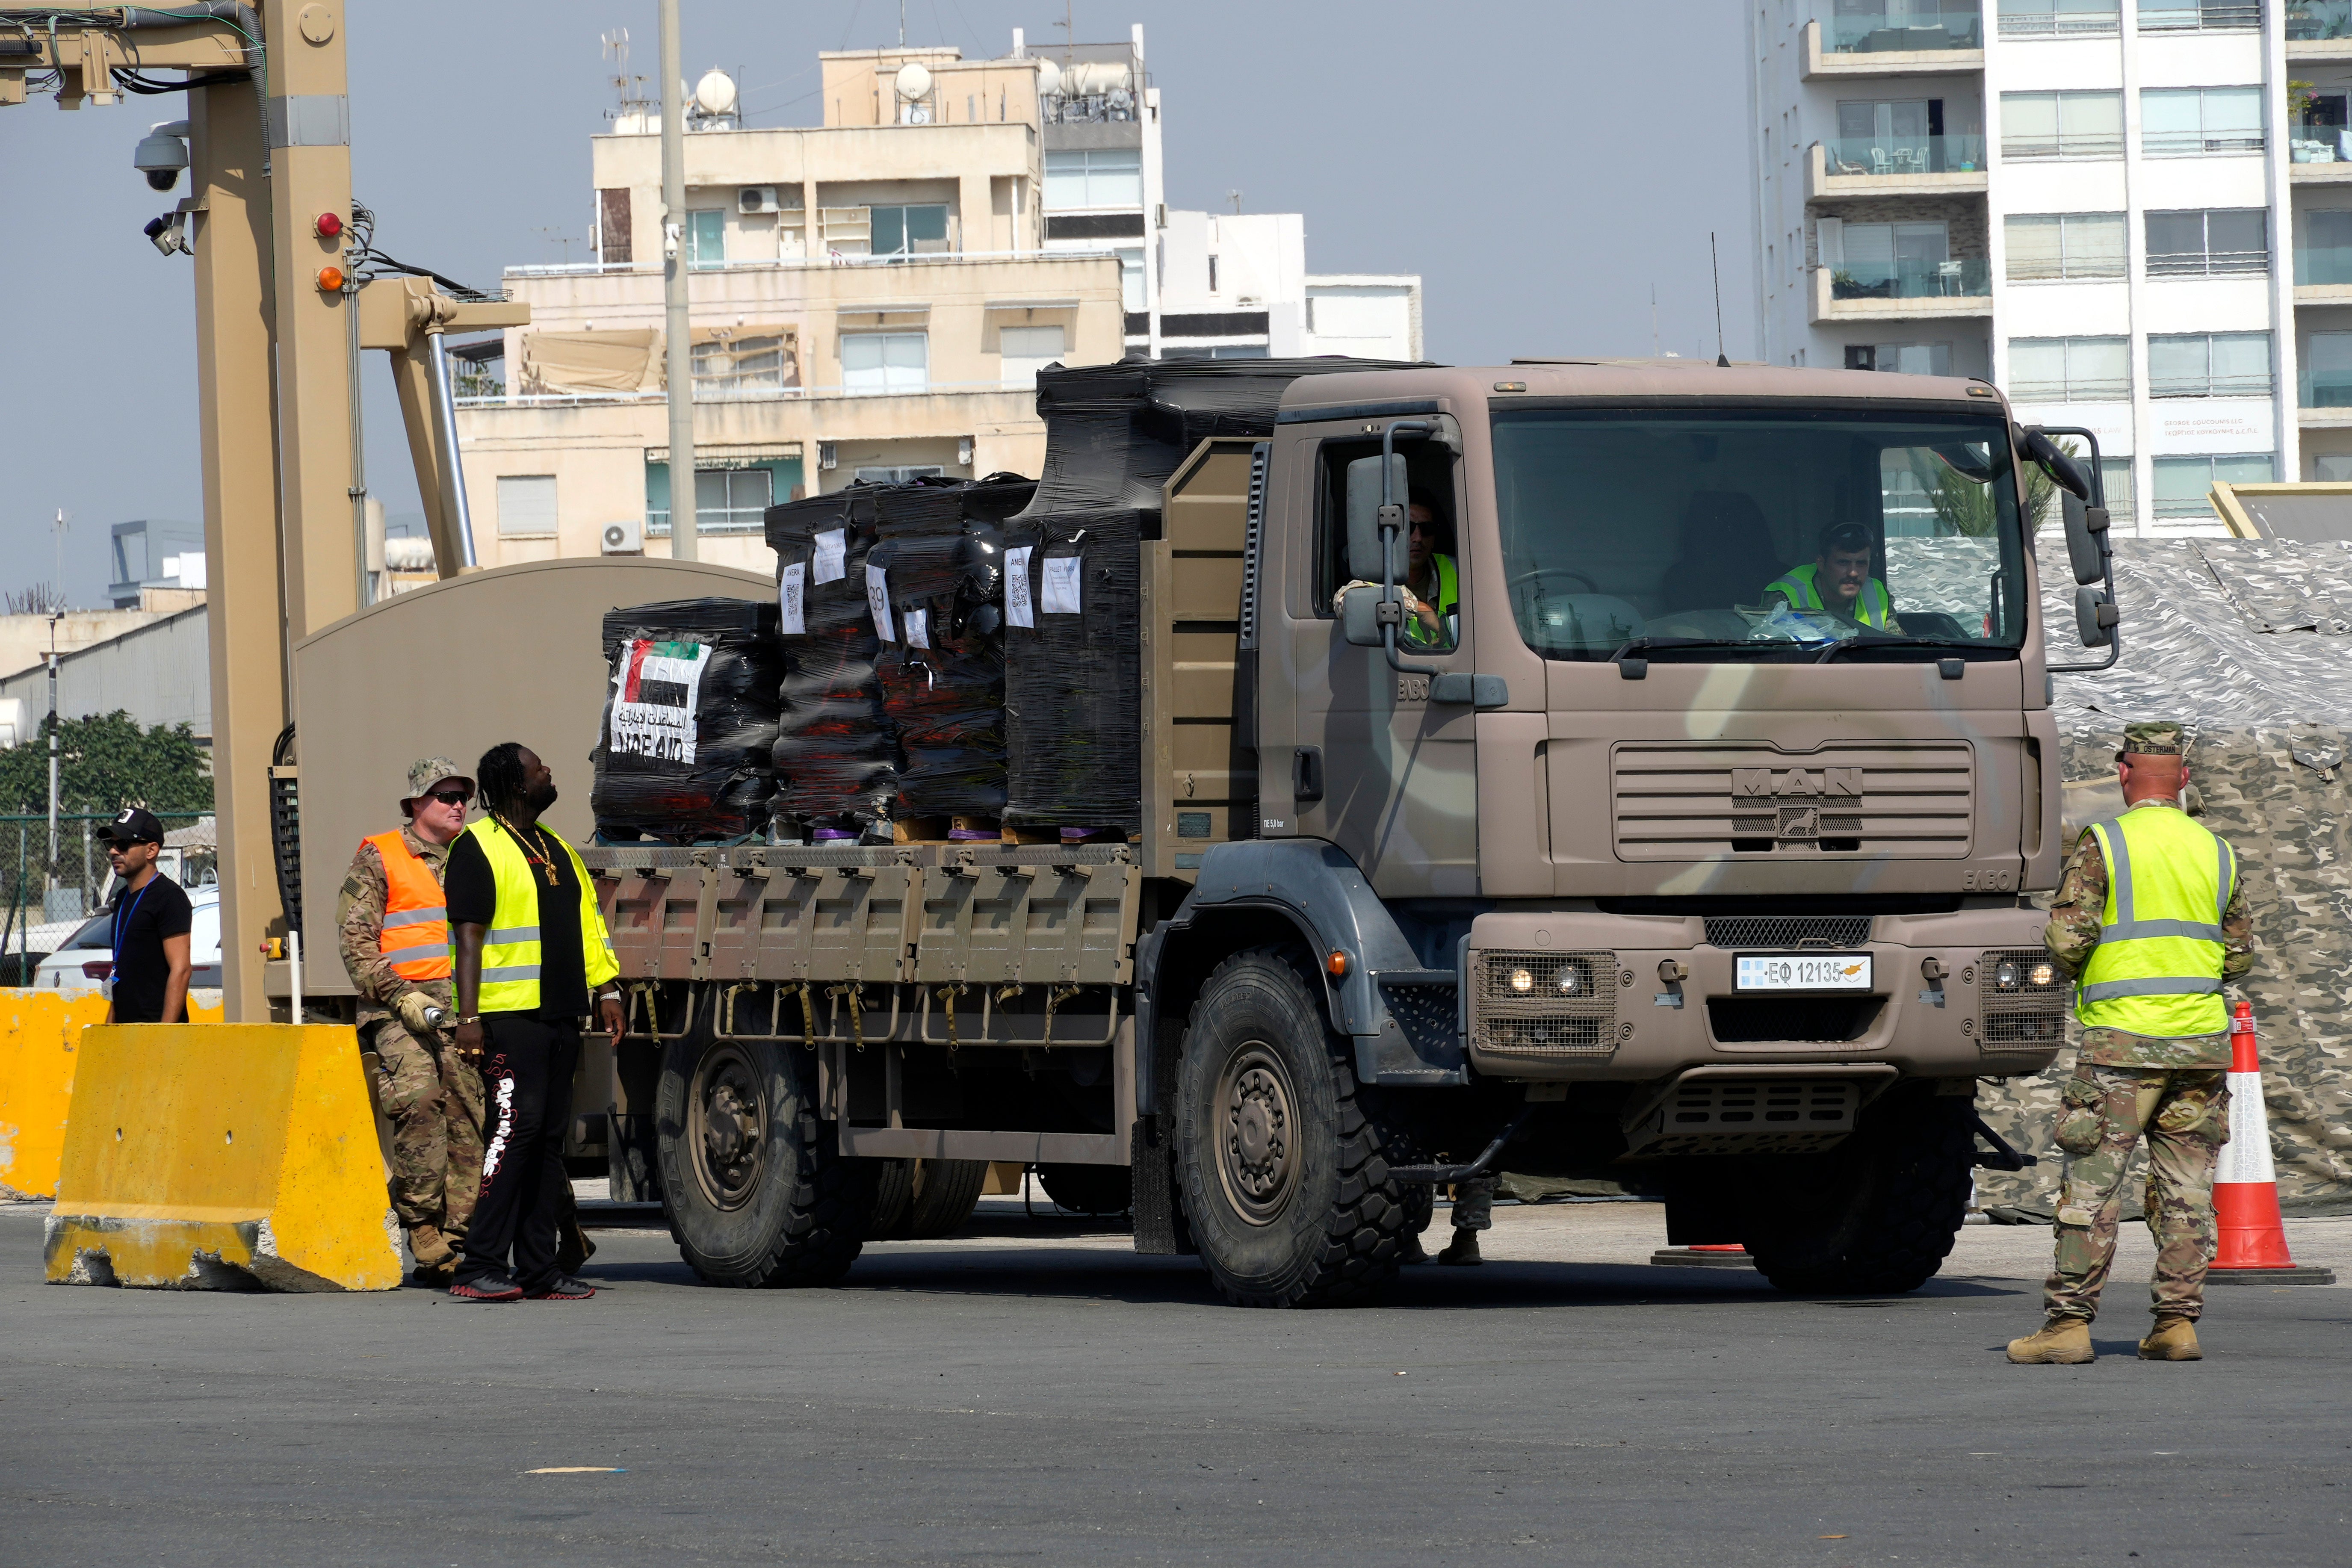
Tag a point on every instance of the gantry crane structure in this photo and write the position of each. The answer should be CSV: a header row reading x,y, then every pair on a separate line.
x,y
286,281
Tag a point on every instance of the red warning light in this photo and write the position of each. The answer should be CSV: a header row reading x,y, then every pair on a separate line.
x,y
330,225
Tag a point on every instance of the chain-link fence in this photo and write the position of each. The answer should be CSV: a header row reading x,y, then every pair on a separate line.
x,y
45,900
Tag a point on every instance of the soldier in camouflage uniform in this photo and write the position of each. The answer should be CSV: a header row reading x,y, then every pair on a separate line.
x,y
2167,1086
433,1099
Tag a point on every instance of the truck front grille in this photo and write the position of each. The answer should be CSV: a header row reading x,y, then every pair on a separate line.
x,y
1750,932
1748,1116
1801,1020
2021,1016
1543,1020
1702,802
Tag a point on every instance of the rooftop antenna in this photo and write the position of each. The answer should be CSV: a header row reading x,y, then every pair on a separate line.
x,y
902,24
1654,319
1716,262
1069,25
1234,197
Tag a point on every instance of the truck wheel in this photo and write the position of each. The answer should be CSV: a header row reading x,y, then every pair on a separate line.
x,y
1876,1216
1096,1190
1280,1167
945,1191
755,1190
893,1199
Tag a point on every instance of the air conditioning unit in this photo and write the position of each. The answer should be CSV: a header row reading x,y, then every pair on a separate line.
x,y
626,537
756,199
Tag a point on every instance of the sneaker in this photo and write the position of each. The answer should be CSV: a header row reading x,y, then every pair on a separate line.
x,y
498,1285
563,1287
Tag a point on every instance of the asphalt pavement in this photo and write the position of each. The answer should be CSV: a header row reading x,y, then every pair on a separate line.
x,y
1036,1393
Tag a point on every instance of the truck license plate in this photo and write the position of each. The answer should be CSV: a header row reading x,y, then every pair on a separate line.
x,y
1822,972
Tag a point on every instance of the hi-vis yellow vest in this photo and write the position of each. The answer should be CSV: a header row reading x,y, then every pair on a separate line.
x,y
1446,601
1797,586
510,949
2158,968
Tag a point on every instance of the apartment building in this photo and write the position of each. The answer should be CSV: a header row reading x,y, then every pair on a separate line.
x,y
872,297
2132,216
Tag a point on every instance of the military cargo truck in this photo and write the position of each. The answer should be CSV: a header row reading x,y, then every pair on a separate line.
x,y
1624,866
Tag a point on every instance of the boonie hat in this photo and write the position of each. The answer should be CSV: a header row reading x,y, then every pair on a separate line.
x,y
430,771
134,825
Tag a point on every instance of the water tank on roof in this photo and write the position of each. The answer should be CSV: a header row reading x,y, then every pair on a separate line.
x,y
1095,78
714,95
1049,79
913,80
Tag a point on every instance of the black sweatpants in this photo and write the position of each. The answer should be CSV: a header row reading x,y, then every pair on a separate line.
x,y
527,1066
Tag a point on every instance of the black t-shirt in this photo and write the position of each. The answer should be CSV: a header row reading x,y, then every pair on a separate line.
x,y
143,917
472,897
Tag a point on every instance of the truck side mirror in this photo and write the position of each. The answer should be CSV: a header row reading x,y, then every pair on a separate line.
x,y
1360,617
2072,477
2095,616
2086,540
1364,519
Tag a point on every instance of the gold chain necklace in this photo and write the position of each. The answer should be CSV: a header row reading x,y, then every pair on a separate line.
x,y
544,860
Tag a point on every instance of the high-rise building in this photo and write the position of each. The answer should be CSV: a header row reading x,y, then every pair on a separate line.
x,y
2132,216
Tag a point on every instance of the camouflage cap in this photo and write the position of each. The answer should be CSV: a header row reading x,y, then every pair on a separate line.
x,y
2153,738
431,771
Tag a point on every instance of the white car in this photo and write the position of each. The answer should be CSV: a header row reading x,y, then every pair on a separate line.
x,y
85,960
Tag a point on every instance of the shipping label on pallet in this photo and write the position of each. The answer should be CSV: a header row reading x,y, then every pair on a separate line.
x,y
657,686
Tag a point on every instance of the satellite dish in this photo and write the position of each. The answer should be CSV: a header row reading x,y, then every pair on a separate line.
x,y
1049,79
913,80
715,93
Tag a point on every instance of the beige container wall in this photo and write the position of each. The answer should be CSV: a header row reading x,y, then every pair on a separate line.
x,y
507,655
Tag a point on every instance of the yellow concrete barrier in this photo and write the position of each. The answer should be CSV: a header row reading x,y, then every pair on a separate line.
x,y
38,1032
222,1156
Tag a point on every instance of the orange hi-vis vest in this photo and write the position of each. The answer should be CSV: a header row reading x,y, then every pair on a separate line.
x,y
416,934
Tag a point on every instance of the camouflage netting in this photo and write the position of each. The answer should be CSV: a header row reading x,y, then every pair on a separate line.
x,y
2248,643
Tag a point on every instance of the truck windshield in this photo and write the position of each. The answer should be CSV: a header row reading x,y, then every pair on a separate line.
x,y
1772,534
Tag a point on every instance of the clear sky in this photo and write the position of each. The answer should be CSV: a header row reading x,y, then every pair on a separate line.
x,y
1545,165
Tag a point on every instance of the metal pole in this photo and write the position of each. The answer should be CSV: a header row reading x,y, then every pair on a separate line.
x,y
294,975
359,455
683,543
51,880
453,473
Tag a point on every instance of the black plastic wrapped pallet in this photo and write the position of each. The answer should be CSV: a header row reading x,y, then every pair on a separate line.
x,y
1073,671
684,750
836,755
940,557
1115,432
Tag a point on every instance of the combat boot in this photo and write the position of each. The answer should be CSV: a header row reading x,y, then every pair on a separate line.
x,y
1462,1252
430,1247
2062,1342
2172,1339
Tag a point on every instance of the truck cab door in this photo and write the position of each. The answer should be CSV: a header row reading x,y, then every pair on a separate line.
x,y
1367,760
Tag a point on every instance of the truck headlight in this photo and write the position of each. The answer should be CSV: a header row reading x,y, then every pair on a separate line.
x,y
1570,980
2041,974
2006,976
1523,980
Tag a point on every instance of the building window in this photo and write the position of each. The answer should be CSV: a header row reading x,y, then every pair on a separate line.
x,y
1028,350
2062,125
2116,485
732,500
1904,359
2190,121
2323,247
526,506
2069,370
1213,274
885,362
2207,244
2200,16
1094,177
743,367
1895,261
2060,18
2208,365
2332,468
2065,245
2182,484
1864,27
705,238
2326,371
1130,280
909,231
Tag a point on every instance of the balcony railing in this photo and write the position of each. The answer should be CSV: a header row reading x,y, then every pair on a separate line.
x,y
2199,16
1911,281
1887,155
2192,143
2075,389
2326,389
1952,27
2068,144
2064,20
2319,145
2309,21
2323,265
2210,264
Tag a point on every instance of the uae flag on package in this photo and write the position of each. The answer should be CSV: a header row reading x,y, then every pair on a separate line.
x,y
689,722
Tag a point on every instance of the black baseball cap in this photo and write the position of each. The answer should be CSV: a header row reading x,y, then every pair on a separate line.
x,y
134,825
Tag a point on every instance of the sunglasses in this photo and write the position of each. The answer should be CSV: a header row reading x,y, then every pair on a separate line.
x,y
450,796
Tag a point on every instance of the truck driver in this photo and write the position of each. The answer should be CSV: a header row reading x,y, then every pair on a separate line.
x,y
1430,575
1838,583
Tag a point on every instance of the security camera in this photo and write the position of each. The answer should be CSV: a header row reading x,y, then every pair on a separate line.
x,y
162,153
170,233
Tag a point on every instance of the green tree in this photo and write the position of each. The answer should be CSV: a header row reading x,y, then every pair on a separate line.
x,y
107,762
1965,506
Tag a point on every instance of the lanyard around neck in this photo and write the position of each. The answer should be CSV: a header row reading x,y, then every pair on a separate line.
x,y
122,917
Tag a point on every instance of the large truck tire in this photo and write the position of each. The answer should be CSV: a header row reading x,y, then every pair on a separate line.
x,y
922,1200
1279,1166
1876,1216
1094,1190
756,1192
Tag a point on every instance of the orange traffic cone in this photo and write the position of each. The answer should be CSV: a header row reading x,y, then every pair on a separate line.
x,y
2245,1185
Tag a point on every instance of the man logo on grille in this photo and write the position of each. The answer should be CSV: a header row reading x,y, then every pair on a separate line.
x,y
1798,783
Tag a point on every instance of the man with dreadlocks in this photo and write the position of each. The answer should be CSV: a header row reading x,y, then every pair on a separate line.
x,y
531,946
